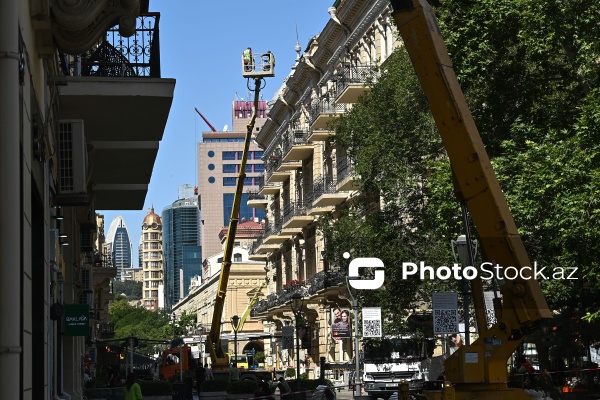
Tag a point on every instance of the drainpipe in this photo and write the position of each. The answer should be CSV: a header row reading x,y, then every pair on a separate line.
x,y
11,247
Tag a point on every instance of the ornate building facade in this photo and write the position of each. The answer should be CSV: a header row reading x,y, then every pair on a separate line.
x,y
75,137
307,175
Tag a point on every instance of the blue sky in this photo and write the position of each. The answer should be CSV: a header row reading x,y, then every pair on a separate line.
x,y
200,46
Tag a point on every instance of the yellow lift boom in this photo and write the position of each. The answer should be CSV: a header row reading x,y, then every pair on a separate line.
x,y
479,370
218,355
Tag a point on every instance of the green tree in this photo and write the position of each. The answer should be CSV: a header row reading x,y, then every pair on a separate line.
x,y
131,289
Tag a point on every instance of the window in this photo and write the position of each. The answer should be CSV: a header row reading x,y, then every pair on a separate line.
x,y
259,167
211,153
245,212
229,168
229,181
258,155
237,257
248,181
229,155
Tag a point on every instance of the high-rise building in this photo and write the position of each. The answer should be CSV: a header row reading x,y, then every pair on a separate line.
x,y
151,256
118,246
182,251
219,157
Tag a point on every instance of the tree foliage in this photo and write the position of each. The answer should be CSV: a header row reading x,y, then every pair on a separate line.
x,y
131,289
138,322
530,72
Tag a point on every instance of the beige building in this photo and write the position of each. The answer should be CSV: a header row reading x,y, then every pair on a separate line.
x,y
245,280
219,157
307,175
152,262
75,137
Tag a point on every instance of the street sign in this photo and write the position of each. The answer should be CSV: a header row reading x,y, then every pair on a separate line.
x,y
77,319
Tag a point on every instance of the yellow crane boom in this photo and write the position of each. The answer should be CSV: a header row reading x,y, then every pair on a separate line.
x,y
478,370
219,357
248,309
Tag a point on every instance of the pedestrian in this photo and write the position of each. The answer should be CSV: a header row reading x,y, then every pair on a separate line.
x,y
132,389
525,372
200,377
247,58
284,389
264,390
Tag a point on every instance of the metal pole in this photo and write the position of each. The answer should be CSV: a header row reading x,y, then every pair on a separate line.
x,y
297,352
465,283
131,352
235,347
356,353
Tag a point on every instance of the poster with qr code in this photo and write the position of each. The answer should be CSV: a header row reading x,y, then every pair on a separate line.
x,y
445,312
371,321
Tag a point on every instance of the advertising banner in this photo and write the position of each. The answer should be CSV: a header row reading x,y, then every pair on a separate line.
x,y
340,323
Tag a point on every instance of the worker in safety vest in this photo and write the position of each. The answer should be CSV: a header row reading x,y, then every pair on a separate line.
x,y
268,61
247,57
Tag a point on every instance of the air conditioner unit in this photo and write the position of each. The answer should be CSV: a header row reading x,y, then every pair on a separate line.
x,y
72,157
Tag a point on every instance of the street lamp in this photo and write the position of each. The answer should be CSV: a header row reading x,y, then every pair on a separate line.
x,y
463,253
234,324
297,301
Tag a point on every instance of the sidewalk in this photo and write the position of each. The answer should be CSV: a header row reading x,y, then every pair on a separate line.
x,y
343,394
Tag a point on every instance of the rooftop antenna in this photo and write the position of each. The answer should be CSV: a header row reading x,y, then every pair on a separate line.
x,y
298,48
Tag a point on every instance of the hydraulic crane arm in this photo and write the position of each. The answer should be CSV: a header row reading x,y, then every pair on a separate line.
x,y
220,358
251,304
481,366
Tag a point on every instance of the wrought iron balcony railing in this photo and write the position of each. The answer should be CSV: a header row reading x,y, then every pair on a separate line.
x,y
253,195
294,137
344,168
293,209
263,184
323,184
119,56
354,74
321,280
325,105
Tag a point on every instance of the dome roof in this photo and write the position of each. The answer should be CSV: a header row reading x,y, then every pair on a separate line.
x,y
152,218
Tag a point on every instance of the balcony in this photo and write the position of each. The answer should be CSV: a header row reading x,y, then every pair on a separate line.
x,y
325,193
317,285
320,135
351,83
345,175
267,188
273,233
323,111
117,90
295,145
295,216
256,200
